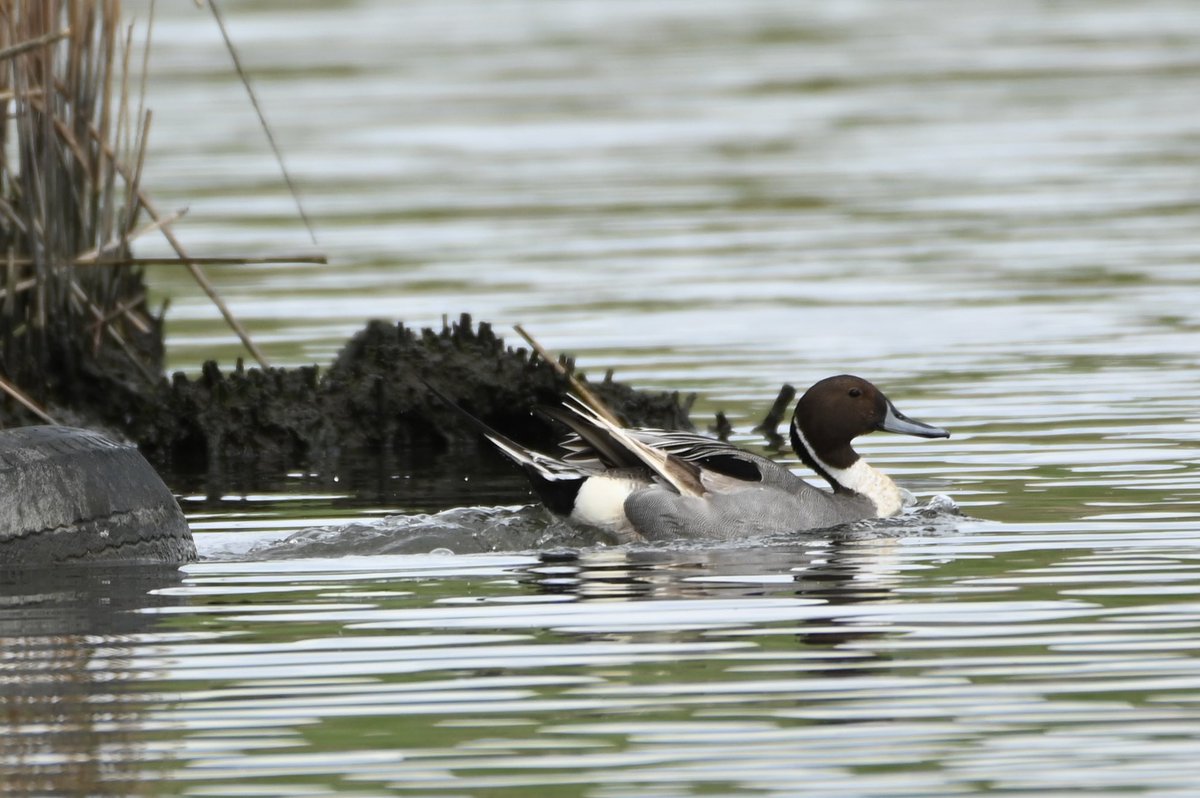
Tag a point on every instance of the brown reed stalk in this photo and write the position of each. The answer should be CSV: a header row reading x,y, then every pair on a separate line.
x,y
577,386
73,316
62,66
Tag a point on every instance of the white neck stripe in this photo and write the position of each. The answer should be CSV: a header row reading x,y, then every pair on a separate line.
x,y
860,478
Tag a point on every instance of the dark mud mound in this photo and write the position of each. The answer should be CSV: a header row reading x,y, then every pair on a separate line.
x,y
246,428
372,405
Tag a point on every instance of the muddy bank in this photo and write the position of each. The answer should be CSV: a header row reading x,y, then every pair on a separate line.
x,y
244,427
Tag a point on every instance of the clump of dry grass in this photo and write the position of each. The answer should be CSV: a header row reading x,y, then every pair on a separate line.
x,y
73,314
71,150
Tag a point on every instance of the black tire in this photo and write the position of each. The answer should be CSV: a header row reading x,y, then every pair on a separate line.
x,y
71,495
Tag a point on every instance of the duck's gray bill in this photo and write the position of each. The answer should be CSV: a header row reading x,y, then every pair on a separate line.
x,y
897,422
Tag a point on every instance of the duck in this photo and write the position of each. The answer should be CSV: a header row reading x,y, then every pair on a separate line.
x,y
647,485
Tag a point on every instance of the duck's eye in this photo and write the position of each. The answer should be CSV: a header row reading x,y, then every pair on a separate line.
x,y
856,392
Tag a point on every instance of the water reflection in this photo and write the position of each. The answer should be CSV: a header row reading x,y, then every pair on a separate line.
x,y
830,572
825,569
73,716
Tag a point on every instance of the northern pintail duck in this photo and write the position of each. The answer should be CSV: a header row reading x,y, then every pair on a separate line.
x,y
653,484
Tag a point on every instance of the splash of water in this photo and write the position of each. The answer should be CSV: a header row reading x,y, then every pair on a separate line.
x,y
475,530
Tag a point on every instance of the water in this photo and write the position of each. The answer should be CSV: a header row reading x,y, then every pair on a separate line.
x,y
990,212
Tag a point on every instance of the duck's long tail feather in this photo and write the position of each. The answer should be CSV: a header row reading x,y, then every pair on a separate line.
x,y
556,482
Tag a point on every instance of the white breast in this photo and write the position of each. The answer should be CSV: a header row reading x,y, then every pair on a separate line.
x,y
872,483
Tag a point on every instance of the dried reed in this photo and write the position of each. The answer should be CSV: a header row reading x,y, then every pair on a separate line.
x,y
72,148
64,95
